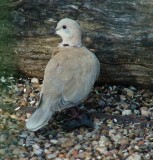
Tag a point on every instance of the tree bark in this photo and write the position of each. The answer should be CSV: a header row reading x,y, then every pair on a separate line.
x,y
120,32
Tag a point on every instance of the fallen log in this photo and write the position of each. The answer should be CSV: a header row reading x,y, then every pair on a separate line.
x,y
120,33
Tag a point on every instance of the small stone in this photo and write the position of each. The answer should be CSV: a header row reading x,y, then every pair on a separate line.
x,y
32,95
25,95
28,115
79,136
21,142
126,112
141,143
61,155
38,140
88,40
137,112
24,134
117,137
24,103
36,85
60,158
13,116
102,150
125,154
16,151
75,153
124,141
145,95
136,147
47,145
51,156
12,147
124,146
131,151
128,92
122,97
149,137
133,107
16,109
54,141
77,146
38,151
101,103
2,151
36,146
125,132
68,143
104,141
34,80
148,156
134,156
145,112
89,135
3,138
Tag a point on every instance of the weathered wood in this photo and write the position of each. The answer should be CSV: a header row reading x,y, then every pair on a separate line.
x,y
120,32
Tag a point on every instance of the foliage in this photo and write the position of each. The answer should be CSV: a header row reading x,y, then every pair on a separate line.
x,y
7,40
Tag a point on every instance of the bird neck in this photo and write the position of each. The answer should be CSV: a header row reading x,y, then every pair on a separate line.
x,y
71,42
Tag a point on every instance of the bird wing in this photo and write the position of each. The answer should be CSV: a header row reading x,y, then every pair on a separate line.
x,y
68,78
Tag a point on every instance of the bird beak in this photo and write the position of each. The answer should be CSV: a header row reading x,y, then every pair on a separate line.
x,y
53,31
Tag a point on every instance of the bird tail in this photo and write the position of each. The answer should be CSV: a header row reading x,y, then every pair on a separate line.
x,y
39,119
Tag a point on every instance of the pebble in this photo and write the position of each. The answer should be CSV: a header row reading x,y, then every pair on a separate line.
x,y
68,143
3,138
21,142
24,134
122,97
36,146
16,151
47,145
104,141
2,151
54,141
129,92
101,103
38,151
51,156
80,136
145,112
89,134
134,156
102,150
60,159
137,112
24,103
34,80
109,140
126,112
148,156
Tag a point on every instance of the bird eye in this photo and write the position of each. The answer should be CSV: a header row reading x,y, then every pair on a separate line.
x,y
64,27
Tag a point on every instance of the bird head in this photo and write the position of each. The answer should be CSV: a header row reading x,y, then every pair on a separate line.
x,y
70,32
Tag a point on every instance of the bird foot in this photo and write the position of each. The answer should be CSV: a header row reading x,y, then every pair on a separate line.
x,y
75,113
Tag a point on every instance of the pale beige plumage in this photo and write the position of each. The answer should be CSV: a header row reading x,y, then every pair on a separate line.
x,y
69,75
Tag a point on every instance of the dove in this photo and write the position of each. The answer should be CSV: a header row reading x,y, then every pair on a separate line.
x,y
69,75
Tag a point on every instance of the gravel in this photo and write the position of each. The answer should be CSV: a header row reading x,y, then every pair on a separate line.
x,y
122,118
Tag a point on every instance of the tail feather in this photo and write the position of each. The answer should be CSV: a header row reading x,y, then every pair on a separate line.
x,y
39,119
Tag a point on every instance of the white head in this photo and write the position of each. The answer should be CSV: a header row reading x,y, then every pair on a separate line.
x,y
70,32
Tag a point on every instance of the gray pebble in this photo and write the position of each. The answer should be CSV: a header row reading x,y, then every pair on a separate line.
x,y
126,112
51,156
54,141
2,151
